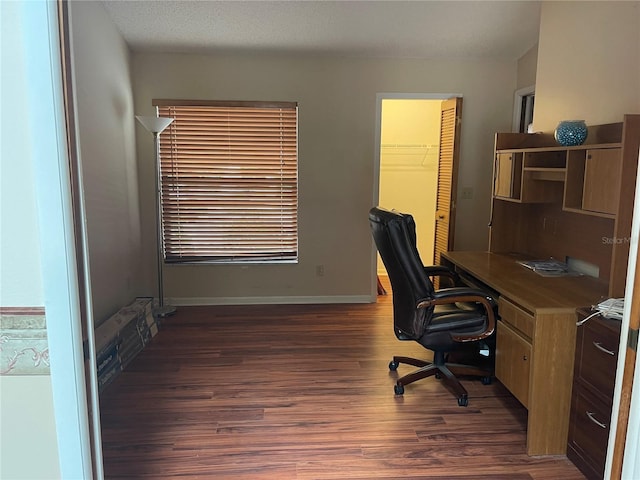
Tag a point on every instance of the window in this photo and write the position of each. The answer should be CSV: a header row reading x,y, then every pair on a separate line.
x,y
229,174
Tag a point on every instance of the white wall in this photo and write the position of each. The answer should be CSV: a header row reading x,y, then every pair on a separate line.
x,y
527,67
107,152
337,99
28,433
27,428
588,63
20,278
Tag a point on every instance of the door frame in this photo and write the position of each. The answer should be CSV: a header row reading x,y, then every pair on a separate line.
x,y
623,447
517,105
62,290
376,161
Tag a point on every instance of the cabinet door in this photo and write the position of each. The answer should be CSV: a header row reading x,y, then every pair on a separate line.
x,y
508,175
504,174
602,180
513,360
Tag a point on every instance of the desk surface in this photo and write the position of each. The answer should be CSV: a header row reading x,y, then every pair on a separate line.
x,y
531,291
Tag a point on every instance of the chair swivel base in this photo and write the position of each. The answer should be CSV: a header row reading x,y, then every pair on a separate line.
x,y
442,370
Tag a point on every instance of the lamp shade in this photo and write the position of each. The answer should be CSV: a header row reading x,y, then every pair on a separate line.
x,y
154,124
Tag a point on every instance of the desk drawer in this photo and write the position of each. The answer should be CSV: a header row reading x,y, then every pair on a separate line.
x,y
516,317
597,355
513,361
588,432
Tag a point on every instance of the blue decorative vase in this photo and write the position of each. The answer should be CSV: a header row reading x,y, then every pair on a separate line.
x,y
571,132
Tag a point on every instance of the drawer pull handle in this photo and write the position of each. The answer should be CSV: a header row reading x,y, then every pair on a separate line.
x,y
593,419
599,346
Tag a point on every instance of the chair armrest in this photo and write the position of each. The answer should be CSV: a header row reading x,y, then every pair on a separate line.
x,y
451,295
441,271
447,296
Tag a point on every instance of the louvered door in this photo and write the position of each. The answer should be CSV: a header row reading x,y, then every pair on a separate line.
x,y
450,118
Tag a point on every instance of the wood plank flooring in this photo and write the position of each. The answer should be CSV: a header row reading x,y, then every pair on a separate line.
x,y
303,392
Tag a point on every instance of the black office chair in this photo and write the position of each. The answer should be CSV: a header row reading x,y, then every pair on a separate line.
x,y
445,321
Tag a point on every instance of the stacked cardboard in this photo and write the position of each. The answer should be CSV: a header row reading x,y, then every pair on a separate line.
x,y
122,337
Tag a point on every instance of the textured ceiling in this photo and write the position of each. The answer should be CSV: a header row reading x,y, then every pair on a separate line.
x,y
413,29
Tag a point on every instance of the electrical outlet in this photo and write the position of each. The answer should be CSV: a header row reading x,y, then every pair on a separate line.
x,y
467,193
320,270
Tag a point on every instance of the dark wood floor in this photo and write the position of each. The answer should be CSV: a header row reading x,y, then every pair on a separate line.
x,y
303,392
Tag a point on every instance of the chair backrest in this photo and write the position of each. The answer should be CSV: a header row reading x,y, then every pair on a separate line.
x,y
395,237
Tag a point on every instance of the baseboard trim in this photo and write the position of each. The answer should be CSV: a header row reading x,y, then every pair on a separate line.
x,y
198,301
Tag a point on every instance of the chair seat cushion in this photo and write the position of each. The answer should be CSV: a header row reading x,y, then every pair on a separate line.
x,y
455,319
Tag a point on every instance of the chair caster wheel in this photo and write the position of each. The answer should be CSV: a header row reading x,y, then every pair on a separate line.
x,y
398,389
486,380
438,375
463,401
393,366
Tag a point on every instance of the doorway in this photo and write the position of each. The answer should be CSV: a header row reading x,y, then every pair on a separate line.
x,y
407,155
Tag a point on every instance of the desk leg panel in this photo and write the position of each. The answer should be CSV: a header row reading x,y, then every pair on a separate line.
x,y
550,384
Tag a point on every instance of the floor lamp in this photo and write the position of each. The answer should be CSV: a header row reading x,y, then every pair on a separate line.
x,y
156,125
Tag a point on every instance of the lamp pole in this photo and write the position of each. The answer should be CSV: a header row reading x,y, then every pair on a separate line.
x,y
156,125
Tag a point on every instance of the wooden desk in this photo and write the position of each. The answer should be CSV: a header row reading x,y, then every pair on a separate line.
x,y
536,337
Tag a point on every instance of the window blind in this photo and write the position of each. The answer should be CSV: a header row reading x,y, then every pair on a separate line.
x,y
229,176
